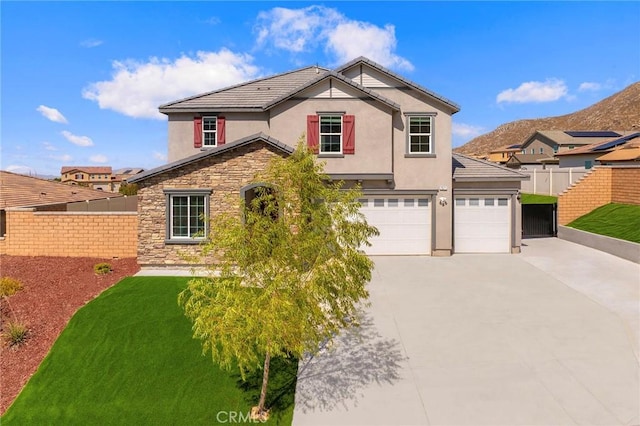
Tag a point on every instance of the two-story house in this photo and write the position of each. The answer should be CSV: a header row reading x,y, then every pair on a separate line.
x,y
368,124
94,177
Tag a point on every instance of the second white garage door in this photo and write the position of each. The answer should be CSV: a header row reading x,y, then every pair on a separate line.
x,y
404,225
482,225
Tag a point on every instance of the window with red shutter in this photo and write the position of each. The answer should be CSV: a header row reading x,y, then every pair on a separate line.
x,y
312,133
348,134
221,131
197,132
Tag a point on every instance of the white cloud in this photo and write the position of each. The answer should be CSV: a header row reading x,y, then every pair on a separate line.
x,y
98,158
213,20
138,88
588,86
466,130
65,158
535,91
48,146
300,30
91,42
77,140
52,114
159,156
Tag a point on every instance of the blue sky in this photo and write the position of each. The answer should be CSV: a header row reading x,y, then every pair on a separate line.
x,y
81,81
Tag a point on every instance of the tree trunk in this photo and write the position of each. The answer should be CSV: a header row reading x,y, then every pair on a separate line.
x,y
265,380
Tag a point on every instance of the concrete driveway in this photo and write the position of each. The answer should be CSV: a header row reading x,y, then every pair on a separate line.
x,y
546,337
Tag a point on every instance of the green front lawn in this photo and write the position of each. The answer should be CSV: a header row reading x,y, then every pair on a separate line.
x,y
128,358
537,199
614,220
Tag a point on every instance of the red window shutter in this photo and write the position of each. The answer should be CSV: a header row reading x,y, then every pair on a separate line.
x,y
221,130
197,132
313,129
349,134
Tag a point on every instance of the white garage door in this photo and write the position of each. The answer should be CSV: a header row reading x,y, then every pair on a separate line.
x,y
482,224
404,225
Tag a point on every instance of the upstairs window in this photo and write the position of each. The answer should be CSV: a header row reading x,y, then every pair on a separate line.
x,y
208,131
420,135
330,134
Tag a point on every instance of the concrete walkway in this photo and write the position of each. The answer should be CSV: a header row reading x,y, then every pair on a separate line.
x,y
547,337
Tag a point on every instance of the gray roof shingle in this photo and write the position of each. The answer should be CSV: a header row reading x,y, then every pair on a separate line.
x,y
472,169
212,152
251,95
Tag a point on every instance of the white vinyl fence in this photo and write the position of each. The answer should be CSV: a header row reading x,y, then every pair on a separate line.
x,y
550,181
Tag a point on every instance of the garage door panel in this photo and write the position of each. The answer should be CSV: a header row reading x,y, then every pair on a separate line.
x,y
403,223
482,225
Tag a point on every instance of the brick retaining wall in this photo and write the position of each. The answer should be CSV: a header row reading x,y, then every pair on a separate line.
x,y
602,185
72,234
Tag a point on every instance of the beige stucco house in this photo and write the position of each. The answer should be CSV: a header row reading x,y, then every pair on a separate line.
x,y
368,124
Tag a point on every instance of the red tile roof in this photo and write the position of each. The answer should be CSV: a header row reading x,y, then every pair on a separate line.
x,y
26,191
86,169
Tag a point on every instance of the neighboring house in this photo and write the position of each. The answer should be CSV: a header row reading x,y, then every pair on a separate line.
x,y
610,150
551,142
99,178
368,125
531,161
501,155
93,177
18,190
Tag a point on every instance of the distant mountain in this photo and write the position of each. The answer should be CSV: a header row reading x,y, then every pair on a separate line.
x,y
620,111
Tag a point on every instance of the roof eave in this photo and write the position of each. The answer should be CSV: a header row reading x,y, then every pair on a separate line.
x,y
211,109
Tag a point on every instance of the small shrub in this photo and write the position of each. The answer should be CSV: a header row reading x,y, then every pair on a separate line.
x,y
102,268
9,286
16,333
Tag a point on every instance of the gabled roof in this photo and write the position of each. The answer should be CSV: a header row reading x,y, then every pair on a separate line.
x,y
624,154
258,137
340,77
466,169
26,191
603,145
507,148
87,169
362,60
564,137
263,94
248,96
530,159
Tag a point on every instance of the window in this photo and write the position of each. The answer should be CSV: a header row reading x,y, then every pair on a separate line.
x,y
78,177
423,202
420,135
533,151
408,202
555,148
209,131
186,211
488,202
461,201
474,201
503,201
393,202
378,202
330,134
541,150
588,164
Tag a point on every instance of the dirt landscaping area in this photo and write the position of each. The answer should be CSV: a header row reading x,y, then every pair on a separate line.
x,y
54,288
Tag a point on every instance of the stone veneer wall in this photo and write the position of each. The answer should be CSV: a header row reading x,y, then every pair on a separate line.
x,y
223,174
603,185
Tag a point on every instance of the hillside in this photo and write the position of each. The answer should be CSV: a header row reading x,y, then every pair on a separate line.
x,y
620,111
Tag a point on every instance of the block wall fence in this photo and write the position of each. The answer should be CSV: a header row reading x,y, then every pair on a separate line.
x,y
602,185
70,234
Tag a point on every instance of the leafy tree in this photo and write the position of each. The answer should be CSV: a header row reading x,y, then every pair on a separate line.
x,y
289,274
128,189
